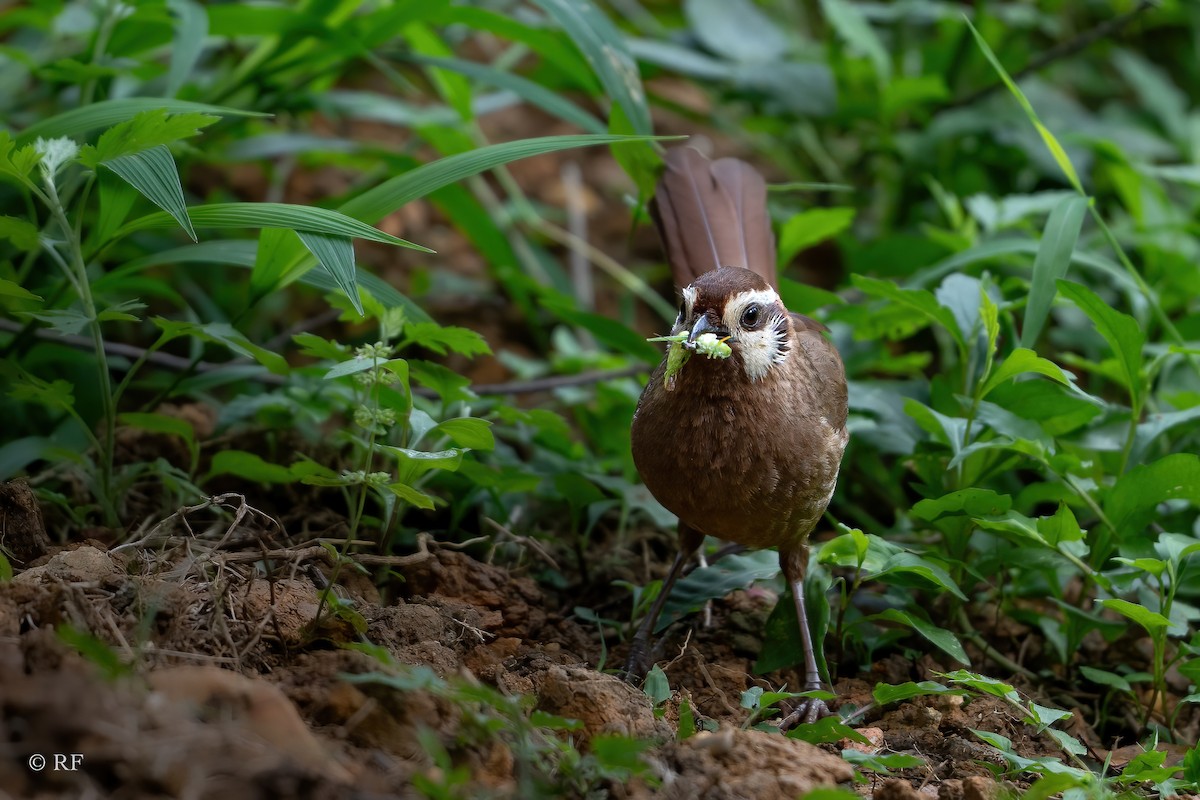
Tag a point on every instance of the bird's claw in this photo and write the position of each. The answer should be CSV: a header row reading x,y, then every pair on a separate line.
x,y
808,710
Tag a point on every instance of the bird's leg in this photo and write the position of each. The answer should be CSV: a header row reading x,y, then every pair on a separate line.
x,y
810,709
638,663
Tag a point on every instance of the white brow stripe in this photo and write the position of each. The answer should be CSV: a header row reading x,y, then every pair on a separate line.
x,y
742,300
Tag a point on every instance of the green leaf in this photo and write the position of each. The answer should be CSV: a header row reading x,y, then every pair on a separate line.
x,y
1106,678
10,289
145,131
22,233
1050,265
536,94
336,255
881,762
919,300
656,687
274,215
57,394
469,432
737,30
885,693
152,172
1022,361
852,27
375,204
106,113
440,338
943,639
811,227
607,54
1121,331
1056,149
16,163
411,496
250,466
422,461
222,333
191,27
717,580
972,502
1152,621
1131,502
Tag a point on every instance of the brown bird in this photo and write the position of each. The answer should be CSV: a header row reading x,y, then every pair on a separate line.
x,y
745,448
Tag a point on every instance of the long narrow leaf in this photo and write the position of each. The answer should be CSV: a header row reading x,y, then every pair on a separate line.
x,y
106,113
275,215
152,172
606,52
375,204
336,255
191,26
1050,264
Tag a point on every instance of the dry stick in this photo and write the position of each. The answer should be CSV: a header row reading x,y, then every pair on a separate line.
x,y
1060,51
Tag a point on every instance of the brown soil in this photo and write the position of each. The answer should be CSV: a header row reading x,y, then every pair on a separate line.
x,y
193,670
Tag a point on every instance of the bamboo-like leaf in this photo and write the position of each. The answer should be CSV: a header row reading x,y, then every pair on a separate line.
x,y
1050,264
606,52
191,26
274,215
106,113
534,93
375,204
336,255
152,172
1052,144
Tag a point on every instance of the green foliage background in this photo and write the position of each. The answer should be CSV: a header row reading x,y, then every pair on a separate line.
x,y
1009,269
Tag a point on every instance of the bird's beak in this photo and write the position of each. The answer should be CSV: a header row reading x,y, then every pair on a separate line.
x,y
703,326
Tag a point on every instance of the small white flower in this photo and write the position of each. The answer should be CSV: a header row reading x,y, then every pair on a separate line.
x,y
55,153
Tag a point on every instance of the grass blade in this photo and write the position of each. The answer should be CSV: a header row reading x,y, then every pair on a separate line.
x,y
152,172
1050,264
106,113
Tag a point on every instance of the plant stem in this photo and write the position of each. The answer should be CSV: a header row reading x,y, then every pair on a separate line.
x,y
76,273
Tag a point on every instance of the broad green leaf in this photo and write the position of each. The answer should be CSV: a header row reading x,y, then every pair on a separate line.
x,y
469,432
1106,678
1131,502
1121,331
717,580
607,54
106,113
1150,620
943,639
1020,362
737,30
981,683
336,255
57,394
880,762
16,163
152,172
885,693
411,496
811,227
1060,527
147,130
441,338
1050,265
10,289
656,686
917,299
1156,425
117,198
22,233
825,731
971,502
423,461
912,564
64,321
853,27
354,366
274,215
250,466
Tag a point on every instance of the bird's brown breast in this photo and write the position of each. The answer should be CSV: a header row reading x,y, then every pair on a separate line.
x,y
749,462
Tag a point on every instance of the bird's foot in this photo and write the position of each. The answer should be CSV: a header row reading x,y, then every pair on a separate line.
x,y
808,710
638,663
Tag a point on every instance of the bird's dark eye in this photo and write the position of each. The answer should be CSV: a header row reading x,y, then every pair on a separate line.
x,y
750,316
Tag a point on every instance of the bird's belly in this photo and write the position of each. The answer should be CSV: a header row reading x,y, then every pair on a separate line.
x,y
758,479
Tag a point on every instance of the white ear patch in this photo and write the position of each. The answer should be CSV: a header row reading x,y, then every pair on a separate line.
x,y
766,345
